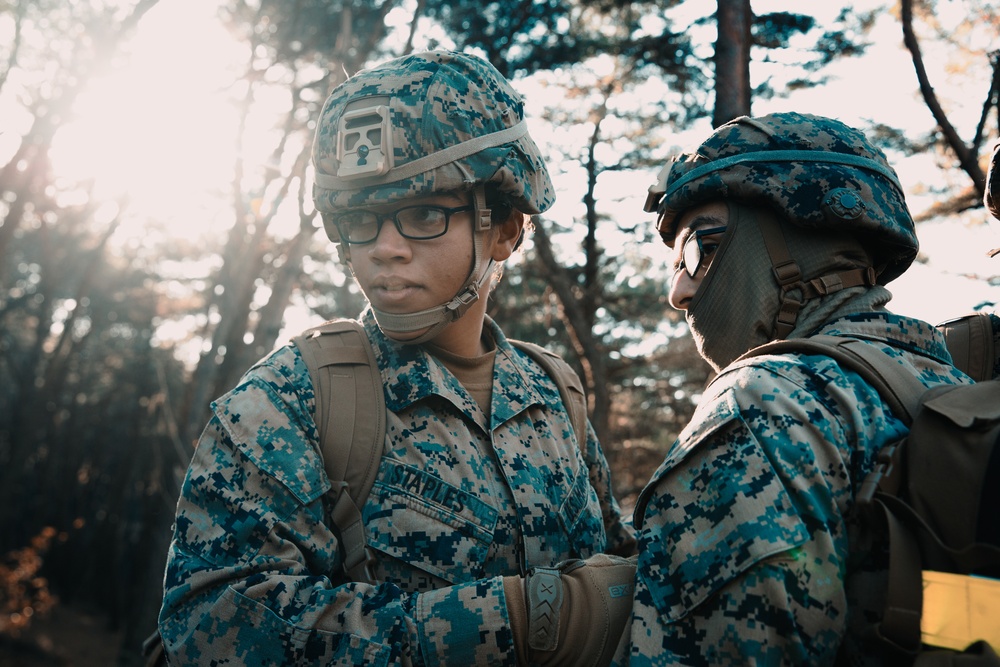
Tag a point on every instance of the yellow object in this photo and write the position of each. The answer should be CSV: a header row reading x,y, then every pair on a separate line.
x,y
959,610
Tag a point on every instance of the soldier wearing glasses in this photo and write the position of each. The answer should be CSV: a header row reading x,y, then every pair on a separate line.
x,y
425,176
782,226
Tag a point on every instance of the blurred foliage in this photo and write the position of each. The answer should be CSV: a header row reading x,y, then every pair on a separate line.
x,y
24,593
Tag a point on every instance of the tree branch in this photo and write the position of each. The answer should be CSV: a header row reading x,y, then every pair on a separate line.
x,y
967,159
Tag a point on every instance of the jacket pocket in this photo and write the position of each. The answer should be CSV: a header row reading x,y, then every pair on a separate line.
x,y
580,517
428,523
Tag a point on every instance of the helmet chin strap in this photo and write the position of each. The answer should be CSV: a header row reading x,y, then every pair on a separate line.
x,y
789,278
435,319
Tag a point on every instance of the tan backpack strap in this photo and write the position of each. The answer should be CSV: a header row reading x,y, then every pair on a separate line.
x,y
900,625
567,381
971,344
897,386
352,436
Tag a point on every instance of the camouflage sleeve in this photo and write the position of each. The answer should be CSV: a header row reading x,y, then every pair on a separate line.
x,y
742,541
621,536
250,577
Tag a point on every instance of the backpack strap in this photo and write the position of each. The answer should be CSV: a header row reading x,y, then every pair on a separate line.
x,y
971,344
897,386
567,381
352,437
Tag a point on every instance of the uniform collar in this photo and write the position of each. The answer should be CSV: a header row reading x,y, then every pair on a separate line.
x,y
906,333
412,374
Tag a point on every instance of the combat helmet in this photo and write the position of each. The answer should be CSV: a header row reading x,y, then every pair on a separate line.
x,y
428,123
813,171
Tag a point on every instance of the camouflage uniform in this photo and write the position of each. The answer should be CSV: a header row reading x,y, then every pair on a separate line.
x,y
458,502
744,552
743,549
463,502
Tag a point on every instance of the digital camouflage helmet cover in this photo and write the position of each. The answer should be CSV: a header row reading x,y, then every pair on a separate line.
x,y
428,123
813,171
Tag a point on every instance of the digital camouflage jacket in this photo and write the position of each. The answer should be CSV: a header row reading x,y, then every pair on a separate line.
x,y
458,503
743,549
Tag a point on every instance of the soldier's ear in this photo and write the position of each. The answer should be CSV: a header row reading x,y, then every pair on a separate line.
x,y
508,235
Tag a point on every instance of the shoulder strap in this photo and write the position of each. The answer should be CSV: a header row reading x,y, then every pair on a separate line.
x,y
570,386
352,437
970,342
897,386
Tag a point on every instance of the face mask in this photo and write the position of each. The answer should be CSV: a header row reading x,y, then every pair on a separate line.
x,y
731,312
737,305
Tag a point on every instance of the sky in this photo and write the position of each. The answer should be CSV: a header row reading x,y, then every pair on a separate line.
x,y
162,130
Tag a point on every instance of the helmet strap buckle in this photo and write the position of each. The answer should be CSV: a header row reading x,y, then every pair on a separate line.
x,y
484,216
463,299
787,273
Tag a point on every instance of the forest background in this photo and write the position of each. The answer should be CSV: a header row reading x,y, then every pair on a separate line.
x,y
157,235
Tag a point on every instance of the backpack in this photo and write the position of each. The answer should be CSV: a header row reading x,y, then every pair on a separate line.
x,y
972,345
352,434
933,497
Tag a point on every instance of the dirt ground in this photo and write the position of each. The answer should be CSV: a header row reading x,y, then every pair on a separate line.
x,y
65,637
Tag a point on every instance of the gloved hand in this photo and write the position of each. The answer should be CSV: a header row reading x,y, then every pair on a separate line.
x,y
572,614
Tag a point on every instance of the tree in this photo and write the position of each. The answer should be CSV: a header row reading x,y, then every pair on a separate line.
x,y
732,61
298,51
966,154
83,453
49,41
583,289
82,457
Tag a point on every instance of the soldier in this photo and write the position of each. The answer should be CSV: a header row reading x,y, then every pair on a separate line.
x,y
782,226
992,200
425,174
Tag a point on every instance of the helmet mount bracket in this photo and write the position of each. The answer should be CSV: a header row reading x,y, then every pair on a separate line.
x,y
364,141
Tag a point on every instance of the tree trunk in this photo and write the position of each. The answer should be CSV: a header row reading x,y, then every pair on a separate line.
x,y
732,61
586,345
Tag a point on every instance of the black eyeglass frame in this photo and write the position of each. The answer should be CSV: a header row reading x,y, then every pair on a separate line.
x,y
698,237
380,218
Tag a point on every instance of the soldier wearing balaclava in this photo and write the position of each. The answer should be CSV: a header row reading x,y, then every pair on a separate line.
x,y
782,226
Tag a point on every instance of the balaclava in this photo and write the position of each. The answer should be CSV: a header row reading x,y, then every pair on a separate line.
x,y
741,270
817,217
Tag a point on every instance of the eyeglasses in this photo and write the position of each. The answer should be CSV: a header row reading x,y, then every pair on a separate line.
x,y
418,223
696,250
